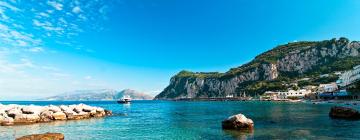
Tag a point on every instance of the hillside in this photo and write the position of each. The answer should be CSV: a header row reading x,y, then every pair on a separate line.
x,y
99,95
275,69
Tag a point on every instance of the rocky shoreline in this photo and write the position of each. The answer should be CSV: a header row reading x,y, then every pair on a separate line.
x,y
28,114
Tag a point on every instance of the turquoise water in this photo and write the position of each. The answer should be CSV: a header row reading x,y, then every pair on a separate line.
x,y
196,120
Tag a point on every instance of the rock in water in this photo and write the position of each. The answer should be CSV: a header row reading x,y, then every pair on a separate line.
x,y
7,121
46,116
108,112
344,113
13,112
238,122
46,136
54,109
26,118
59,116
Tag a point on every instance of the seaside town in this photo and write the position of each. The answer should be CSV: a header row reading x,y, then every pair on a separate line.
x,y
327,91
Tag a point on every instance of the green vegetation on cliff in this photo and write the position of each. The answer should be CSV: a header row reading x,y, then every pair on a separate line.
x,y
323,57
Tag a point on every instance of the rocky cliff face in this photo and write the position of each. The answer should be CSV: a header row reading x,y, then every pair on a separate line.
x,y
291,59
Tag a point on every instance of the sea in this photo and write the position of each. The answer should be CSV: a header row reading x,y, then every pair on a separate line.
x,y
187,120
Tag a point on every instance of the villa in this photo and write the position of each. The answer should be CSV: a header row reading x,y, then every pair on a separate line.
x,y
291,94
297,94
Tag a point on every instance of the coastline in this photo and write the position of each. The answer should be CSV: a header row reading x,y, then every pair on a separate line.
x,y
320,101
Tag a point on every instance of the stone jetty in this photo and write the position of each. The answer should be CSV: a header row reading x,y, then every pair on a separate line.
x,y
27,114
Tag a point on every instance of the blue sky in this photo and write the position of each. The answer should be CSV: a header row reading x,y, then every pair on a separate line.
x,y
49,47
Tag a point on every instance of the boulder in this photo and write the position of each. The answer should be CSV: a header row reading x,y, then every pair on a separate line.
x,y
69,114
87,108
99,109
59,116
7,121
11,106
26,118
46,116
79,116
98,114
3,113
54,108
238,122
344,113
108,112
32,109
13,112
78,109
2,118
64,108
46,136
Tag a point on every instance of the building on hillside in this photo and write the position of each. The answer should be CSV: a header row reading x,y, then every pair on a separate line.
x,y
273,95
349,77
291,94
327,88
229,96
326,91
340,95
297,94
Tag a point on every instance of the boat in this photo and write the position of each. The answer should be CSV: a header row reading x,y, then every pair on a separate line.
x,y
125,100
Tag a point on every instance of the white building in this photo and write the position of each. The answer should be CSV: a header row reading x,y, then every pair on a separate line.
x,y
299,94
349,77
291,94
273,95
328,88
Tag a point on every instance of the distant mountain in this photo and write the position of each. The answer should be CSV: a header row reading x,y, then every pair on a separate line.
x,y
99,95
273,70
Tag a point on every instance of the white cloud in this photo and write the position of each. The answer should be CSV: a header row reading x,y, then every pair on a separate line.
x,y
7,5
44,14
15,38
87,77
36,49
49,68
76,10
22,43
56,5
53,20
60,75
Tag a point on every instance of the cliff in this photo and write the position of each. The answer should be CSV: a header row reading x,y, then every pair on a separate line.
x,y
272,70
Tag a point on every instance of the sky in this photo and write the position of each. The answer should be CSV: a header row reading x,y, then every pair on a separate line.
x,y
49,47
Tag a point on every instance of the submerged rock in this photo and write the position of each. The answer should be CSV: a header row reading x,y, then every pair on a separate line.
x,y
344,113
46,136
238,122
